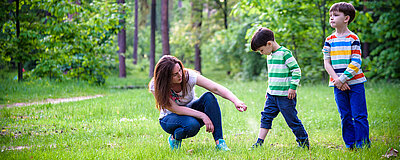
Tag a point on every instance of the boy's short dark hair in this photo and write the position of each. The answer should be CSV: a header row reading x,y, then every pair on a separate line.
x,y
346,8
261,37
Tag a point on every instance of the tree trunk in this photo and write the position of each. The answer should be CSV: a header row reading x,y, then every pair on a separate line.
x,y
180,4
152,38
322,16
324,21
224,11
135,36
144,10
122,44
165,27
197,56
365,45
20,75
226,14
197,10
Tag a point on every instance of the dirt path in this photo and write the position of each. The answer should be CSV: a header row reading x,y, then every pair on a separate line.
x,y
52,101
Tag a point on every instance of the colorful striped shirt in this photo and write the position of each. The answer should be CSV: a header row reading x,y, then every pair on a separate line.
x,y
283,72
345,55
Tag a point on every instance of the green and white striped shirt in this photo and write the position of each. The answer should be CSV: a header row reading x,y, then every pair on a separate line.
x,y
283,72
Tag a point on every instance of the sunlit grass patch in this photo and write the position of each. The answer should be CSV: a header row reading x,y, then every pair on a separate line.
x,y
123,124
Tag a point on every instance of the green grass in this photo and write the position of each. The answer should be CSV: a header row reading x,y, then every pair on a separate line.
x,y
94,129
39,90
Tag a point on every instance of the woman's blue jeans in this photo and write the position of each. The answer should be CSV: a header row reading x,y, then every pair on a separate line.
x,y
182,127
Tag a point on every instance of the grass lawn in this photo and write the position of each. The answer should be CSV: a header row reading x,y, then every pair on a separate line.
x,y
123,124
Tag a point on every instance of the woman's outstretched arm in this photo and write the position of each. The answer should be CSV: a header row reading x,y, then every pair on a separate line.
x,y
221,91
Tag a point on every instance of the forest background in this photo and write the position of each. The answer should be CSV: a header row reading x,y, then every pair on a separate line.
x,y
89,40
59,49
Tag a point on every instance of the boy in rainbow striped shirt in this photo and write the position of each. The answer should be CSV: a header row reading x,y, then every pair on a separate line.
x,y
283,78
342,61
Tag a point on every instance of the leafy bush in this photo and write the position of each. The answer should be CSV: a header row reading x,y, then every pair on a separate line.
x,y
380,25
66,40
228,51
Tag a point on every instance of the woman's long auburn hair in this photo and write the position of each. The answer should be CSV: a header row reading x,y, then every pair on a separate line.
x,y
163,80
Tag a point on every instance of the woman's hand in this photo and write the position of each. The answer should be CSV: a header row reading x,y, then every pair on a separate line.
x,y
221,91
208,123
240,106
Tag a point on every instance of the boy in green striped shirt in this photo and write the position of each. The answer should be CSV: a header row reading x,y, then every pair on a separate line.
x,y
283,78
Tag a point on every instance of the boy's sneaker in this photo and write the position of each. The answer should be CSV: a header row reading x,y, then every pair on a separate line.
x,y
304,143
255,145
222,146
259,143
173,143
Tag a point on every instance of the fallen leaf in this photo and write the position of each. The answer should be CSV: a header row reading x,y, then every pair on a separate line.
x,y
391,152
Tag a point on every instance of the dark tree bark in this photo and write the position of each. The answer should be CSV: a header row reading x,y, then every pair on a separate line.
x,y
225,11
165,27
322,15
226,14
135,36
197,15
365,45
122,44
20,75
152,38
144,10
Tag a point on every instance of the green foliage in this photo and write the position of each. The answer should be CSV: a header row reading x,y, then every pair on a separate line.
x,y
227,48
381,30
295,27
24,47
54,34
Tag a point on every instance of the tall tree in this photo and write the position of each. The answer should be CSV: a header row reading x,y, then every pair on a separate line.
x,y
380,26
365,45
46,33
135,36
165,27
20,76
197,15
224,10
122,42
322,16
152,38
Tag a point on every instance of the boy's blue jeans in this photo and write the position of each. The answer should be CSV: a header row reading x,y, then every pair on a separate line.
x,y
287,107
186,126
352,107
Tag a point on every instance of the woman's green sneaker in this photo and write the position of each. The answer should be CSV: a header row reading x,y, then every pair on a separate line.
x,y
173,143
222,146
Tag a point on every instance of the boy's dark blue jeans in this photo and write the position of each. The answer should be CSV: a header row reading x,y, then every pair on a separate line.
x,y
186,126
352,108
287,107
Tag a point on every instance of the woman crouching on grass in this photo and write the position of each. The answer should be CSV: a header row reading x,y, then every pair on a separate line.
x,y
182,114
